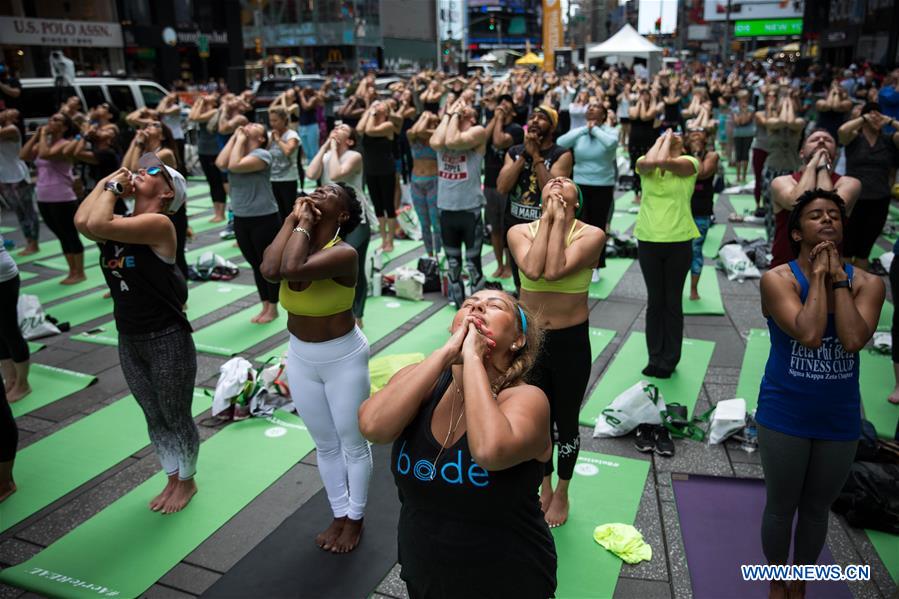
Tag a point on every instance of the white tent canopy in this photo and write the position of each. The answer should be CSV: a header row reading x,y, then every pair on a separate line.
x,y
628,43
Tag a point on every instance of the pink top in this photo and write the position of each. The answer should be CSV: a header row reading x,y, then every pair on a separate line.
x,y
54,179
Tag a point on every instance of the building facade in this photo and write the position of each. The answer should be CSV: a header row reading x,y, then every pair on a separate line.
x,y
853,30
503,24
409,30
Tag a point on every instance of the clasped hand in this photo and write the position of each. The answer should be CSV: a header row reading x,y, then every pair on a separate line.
x,y
472,340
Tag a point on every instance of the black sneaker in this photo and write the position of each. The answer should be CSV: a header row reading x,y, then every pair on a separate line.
x,y
645,442
664,446
651,370
661,373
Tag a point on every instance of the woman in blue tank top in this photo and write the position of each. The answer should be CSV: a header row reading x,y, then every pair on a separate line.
x,y
820,315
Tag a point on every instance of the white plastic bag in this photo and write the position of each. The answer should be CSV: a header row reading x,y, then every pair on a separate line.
x,y
408,220
728,418
736,264
641,403
32,320
886,259
883,342
409,283
233,378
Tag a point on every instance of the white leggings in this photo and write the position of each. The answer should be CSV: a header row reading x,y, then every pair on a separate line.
x,y
328,382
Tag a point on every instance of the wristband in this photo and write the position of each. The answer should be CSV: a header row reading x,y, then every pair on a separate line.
x,y
299,229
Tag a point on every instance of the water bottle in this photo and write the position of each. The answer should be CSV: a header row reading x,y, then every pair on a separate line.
x,y
376,283
750,442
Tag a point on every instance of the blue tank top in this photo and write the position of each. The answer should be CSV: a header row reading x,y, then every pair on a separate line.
x,y
811,393
422,151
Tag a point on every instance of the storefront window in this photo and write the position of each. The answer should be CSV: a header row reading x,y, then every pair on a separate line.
x,y
122,98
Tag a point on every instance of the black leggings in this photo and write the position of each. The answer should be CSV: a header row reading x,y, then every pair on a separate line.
x,y
458,227
12,344
214,178
381,189
285,194
9,432
359,239
179,219
894,289
805,475
664,267
254,234
562,370
60,218
864,226
599,201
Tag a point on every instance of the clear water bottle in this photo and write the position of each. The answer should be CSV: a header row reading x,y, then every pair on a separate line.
x,y
750,442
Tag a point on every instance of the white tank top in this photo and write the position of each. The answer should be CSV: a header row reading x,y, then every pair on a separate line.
x,y
355,181
12,168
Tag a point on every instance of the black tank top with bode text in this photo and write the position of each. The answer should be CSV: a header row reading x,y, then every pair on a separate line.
x,y
464,531
148,292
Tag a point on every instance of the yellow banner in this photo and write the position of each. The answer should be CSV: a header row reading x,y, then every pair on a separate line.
x,y
552,32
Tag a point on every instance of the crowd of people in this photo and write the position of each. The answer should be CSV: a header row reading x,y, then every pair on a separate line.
x,y
528,163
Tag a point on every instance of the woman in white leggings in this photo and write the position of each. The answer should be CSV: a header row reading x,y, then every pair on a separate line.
x,y
327,364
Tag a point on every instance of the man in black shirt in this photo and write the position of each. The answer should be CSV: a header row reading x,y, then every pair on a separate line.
x,y
10,88
528,167
502,133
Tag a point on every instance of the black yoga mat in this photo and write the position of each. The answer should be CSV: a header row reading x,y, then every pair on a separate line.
x,y
720,521
287,563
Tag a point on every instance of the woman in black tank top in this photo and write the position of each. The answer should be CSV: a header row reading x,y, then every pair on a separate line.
x,y
469,443
156,350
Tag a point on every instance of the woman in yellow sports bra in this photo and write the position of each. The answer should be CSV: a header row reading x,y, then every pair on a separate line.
x,y
555,257
327,359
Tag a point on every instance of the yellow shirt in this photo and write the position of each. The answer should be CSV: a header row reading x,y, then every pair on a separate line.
x,y
665,213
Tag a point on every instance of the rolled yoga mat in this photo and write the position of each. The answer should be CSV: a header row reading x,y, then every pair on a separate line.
x,y
876,380
287,563
610,276
720,522
683,387
709,301
713,240
58,464
202,299
383,315
126,548
604,489
50,384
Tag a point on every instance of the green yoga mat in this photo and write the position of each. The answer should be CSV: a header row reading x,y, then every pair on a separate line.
x,y
599,340
102,557
400,247
758,345
91,258
604,489
609,277
82,309
201,224
226,248
49,247
60,463
622,221
712,242
24,275
743,204
235,334
5,230
625,201
709,294
197,189
683,387
50,290
877,251
886,317
49,384
197,207
383,315
427,337
750,233
887,547
34,347
203,299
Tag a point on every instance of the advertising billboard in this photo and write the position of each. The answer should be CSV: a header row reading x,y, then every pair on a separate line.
x,y
716,10
768,27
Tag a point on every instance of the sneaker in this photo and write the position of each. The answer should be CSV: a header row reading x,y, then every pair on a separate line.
x,y
663,445
651,370
760,213
644,442
595,277
228,232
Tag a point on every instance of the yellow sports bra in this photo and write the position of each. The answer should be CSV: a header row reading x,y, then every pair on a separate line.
x,y
321,298
576,282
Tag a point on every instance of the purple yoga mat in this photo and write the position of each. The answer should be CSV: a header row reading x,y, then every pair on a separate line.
x,y
720,522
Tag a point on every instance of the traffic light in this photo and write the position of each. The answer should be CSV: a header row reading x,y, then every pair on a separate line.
x,y
659,24
492,25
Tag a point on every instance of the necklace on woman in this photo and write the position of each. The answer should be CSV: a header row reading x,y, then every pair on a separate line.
x,y
452,428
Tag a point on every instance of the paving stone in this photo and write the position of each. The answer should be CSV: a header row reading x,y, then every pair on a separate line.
x,y
221,551
31,424
677,555
631,285
739,456
879,574
743,470
616,315
692,457
189,579
393,585
845,553
15,551
631,588
729,346
617,446
93,361
54,356
158,591
716,393
745,313
649,523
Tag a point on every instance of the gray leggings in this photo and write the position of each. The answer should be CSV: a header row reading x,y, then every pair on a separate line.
x,y
803,474
160,369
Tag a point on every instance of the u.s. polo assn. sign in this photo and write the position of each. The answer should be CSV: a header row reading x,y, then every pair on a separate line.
x,y
23,31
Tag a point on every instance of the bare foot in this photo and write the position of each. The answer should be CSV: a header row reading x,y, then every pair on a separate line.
x,y
328,537
190,233
28,251
349,537
507,272
388,247
894,396
7,489
107,295
181,495
256,318
217,219
546,494
157,502
694,296
18,392
73,279
557,514
267,315
777,590
497,273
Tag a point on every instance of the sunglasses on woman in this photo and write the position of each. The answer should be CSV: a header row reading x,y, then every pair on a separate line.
x,y
154,170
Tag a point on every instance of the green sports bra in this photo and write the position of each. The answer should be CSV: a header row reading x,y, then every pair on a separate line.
x,y
576,282
321,298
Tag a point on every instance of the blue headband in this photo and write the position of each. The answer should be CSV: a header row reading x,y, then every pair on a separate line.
x,y
524,321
